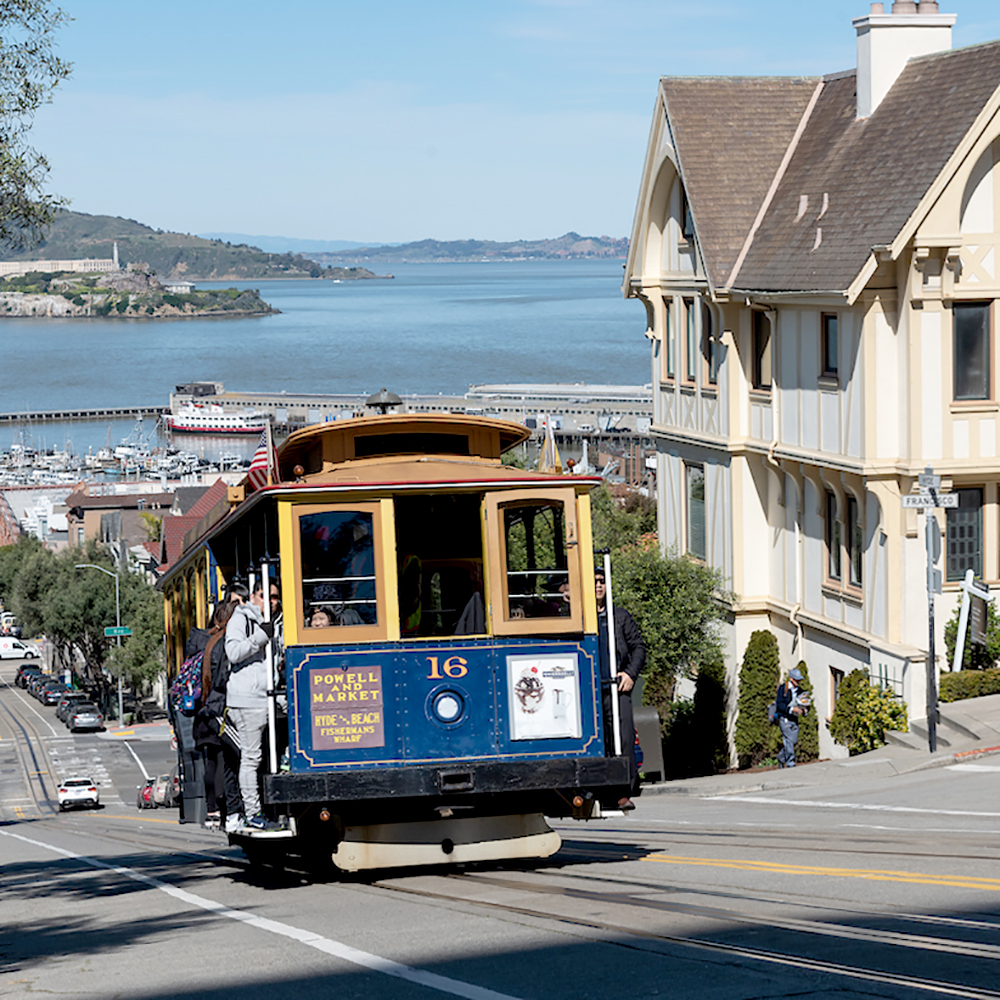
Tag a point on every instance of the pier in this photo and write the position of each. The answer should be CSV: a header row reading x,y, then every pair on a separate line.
x,y
100,413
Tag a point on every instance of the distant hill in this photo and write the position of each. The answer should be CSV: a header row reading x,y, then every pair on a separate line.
x,y
172,255
289,244
572,246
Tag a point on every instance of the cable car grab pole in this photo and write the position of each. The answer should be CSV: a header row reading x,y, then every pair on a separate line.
x,y
272,736
616,722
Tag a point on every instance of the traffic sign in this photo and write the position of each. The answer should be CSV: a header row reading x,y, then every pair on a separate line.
x,y
111,630
923,501
929,481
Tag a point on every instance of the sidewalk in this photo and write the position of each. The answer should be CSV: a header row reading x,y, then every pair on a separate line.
x,y
159,731
967,731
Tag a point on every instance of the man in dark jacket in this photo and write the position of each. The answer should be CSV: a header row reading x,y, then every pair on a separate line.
x,y
790,704
630,652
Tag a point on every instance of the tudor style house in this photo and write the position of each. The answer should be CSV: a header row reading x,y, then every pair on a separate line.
x,y
819,260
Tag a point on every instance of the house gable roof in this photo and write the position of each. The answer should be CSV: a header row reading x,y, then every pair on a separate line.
x,y
849,185
730,135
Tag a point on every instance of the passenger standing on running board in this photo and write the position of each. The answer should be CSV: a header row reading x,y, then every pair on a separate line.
x,y
630,652
247,635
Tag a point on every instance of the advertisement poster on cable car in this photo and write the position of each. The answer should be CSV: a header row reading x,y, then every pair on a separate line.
x,y
544,696
346,708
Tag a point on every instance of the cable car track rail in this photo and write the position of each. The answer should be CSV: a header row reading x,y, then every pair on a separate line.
x,y
35,763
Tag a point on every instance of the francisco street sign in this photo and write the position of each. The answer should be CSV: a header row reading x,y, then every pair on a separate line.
x,y
923,501
111,630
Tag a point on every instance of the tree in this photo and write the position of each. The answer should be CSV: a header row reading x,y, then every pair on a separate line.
x,y
140,657
756,737
618,524
975,657
678,605
29,72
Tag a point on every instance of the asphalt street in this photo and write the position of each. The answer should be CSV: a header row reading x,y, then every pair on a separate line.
x,y
864,887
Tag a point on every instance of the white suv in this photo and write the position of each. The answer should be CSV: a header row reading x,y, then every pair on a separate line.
x,y
79,791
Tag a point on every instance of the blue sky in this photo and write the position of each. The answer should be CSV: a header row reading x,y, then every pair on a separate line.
x,y
401,120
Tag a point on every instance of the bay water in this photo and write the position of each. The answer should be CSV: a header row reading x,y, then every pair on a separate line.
x,y
432,328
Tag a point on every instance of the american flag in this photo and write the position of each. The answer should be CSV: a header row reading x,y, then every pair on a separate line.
x,y
257,473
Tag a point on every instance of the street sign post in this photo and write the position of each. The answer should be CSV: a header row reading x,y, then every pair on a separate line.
x,y
927,500
113,630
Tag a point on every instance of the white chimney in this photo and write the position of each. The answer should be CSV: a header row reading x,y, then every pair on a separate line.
x,y
887,41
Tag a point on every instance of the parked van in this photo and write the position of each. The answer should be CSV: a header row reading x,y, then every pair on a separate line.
x,y
14,649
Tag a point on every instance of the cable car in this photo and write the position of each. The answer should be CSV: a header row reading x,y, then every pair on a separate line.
x,y
440,626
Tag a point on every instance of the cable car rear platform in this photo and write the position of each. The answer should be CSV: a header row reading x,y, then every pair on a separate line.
x,y
460,778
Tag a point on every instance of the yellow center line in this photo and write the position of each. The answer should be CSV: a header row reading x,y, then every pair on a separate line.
x,y
872,874
136,819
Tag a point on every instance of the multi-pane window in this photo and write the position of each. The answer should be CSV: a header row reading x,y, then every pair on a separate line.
x,y
690,340
709,347
965,535
695,487
833,538
971,362
830,345
854,538
760,373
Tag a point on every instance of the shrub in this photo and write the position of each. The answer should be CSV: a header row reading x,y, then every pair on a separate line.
x,y
79,301
864,712
121,305
150,310
969,684
695,742
975,657
756,737
808,745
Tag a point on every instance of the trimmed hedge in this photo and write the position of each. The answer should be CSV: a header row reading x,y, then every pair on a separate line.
x,y
969,684
756,738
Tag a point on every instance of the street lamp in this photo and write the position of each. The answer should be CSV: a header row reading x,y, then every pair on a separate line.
x,y
118,623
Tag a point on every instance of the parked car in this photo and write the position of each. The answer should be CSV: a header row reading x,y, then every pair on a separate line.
x,y
52,694
84,716
70,699
79,791
24,671
15,649
49,684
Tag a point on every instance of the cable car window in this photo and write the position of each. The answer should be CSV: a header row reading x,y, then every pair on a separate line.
x,y
338,568
533,569
537,573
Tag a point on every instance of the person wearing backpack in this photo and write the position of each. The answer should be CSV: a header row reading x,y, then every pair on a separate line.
x,y
790,704
220,786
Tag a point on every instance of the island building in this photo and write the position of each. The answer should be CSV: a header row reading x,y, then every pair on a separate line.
x,y
819,262
83,265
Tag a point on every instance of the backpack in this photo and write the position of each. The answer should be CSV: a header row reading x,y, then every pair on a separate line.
x,y
185,692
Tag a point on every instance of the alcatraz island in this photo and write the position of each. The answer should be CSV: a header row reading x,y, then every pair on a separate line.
x,y
100,265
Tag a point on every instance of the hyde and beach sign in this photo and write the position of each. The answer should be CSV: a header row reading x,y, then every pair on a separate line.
x,y
346,708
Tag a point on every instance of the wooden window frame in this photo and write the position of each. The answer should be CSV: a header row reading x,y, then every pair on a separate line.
x,y
690,342
709,346
669,350
828,320
387,612
854,548
497,600
761,348
833,539
700,556
990,381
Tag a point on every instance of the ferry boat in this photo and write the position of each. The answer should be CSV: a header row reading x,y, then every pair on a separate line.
x,y
194,418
